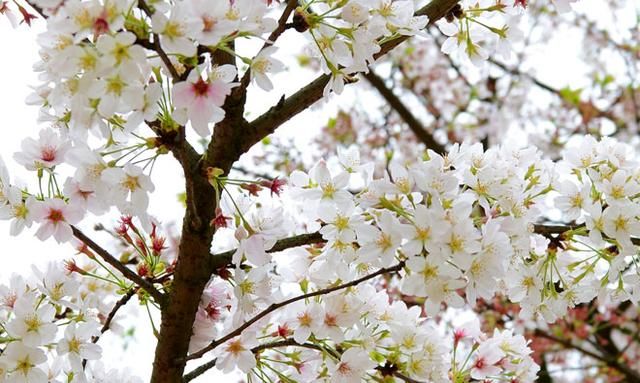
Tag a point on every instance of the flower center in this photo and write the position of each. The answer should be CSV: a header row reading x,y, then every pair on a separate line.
x,y
261,65
74,346
330,320
100,26
20,211
235,347
24,365
121,53
429,272
200,88
423,234
305,319
384,242
48,154
32,322
55,215
131,183
344,369
173,30
208,23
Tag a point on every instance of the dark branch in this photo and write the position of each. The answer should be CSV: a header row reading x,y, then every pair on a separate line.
x,y
125,271
156,44
631,375
282,343
282,26
224,259
112,314
275,306
277,344
547,229
413,123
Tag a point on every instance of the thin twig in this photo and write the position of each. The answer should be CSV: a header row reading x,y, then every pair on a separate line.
x,y
252,173
288,107
405,378
107,323
275,306
282,26
632,376
282,343
112,314
547,229
413,123
224,259
125,271
277,344
156,43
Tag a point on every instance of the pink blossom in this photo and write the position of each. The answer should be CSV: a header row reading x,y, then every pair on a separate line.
x,y
56,218
202,98
45,152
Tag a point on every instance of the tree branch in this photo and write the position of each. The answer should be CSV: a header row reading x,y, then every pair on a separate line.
x,y
275,306
558,228
631,375
156,44
282,343
125,271
413,123
224,259
288,107
112,314
580,107
282,26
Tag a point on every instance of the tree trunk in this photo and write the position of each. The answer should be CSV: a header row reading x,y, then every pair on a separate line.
x,y
191,275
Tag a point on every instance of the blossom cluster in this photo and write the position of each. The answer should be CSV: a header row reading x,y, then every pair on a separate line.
x,y
112,68
479,29
460,221
106,67
446,230
387,340
598,194
94,187
348,35
442,231
49,327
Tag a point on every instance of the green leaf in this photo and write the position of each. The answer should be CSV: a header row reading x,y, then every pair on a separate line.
x,y
571,96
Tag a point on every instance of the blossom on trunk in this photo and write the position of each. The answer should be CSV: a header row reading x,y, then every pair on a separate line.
x,y
202,97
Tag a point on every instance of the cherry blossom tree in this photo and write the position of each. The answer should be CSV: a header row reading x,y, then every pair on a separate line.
x,y
413,242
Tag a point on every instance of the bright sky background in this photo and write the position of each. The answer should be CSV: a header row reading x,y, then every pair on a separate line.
x,y
18,53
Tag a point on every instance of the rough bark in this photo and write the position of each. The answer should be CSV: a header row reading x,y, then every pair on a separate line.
x,y
190,277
